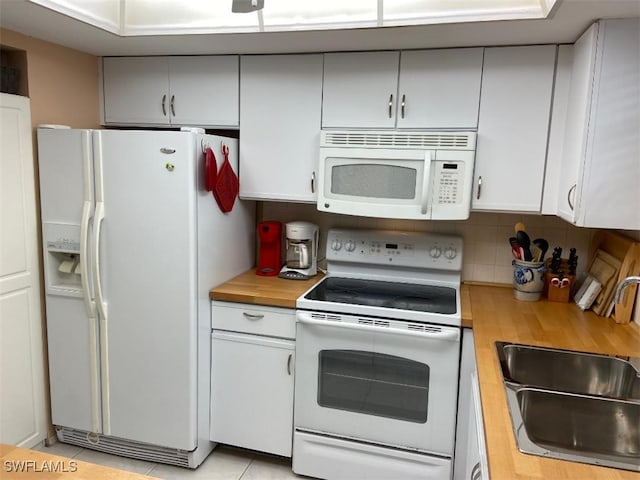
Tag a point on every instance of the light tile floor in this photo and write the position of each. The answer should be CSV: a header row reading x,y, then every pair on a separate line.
x,y
224,463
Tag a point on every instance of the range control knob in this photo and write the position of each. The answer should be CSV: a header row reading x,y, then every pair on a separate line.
x,y
451,253
435,251
350,245
336,244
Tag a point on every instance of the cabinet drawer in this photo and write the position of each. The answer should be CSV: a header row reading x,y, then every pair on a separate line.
x,y
258,320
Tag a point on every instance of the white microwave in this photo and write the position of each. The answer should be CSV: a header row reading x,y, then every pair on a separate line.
x,y
403,175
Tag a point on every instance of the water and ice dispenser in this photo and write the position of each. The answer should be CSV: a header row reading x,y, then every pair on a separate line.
x,y
62,260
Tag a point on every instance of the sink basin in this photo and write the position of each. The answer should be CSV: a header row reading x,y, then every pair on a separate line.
x,y
573,406
595,430
569,371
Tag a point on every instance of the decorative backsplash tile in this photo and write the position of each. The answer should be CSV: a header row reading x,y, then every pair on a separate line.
x,y
487,253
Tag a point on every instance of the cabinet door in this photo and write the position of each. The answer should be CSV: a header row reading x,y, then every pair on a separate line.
x,y
515,106
610,194
281,98
136,90
252,392
23,410
204,90
439,88
360,90
582,73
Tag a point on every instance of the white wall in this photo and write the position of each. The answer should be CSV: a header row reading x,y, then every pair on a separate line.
x,y
487,253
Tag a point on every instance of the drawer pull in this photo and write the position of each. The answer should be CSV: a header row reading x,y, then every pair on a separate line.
x,y
253,316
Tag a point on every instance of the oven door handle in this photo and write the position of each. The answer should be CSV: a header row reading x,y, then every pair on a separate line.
x,y
452,335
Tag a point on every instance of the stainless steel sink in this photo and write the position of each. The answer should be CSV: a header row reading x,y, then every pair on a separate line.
x,y
571,405
569,371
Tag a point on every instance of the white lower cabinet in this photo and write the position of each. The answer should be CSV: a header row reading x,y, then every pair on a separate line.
x,y
470,462
252,378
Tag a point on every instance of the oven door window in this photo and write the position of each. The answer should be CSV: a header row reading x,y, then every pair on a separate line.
x,y
373,384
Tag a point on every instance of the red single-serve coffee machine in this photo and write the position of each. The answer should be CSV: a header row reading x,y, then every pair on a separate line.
x,y
270,249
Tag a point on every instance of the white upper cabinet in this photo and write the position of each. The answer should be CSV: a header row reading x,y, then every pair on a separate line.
x,y
600,178
135,90
439,88
515,106
426,89
281,102
360,90
204,90
190,90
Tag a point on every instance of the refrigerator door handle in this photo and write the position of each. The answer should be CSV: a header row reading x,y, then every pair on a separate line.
x,y
90,305
102,309
87,292
99,217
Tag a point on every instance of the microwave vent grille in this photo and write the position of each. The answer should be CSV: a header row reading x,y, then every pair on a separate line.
x,y
436,140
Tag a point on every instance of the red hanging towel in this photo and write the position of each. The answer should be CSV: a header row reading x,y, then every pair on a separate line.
x,y
227,184
210,170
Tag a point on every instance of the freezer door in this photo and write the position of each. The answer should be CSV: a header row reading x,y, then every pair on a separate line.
x,y
71,345
146,288
65,169
65,160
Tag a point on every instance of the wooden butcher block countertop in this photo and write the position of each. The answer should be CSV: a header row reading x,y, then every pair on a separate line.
x,y
258,290
494,315
278,292
37,465
497,316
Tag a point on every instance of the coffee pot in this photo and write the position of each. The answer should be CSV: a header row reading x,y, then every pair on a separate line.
x,y
301,251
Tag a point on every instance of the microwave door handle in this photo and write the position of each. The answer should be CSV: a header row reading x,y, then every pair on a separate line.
x,y
428,158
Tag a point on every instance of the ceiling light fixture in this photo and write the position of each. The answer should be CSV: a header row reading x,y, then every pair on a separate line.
x,y
245,6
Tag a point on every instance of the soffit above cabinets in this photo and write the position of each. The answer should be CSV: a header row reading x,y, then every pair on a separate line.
x,y
178,17
568,20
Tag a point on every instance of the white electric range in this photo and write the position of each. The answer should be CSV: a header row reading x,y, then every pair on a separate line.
x,y
377,358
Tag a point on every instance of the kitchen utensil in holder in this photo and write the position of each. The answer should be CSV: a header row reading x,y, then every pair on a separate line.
x,y
528,280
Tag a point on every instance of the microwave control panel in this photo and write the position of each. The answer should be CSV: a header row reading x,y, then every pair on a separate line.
x,y
449,183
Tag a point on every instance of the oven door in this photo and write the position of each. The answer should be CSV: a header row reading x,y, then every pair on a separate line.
x,y
384,381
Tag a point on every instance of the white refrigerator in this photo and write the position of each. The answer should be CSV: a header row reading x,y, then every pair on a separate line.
x,y
132,244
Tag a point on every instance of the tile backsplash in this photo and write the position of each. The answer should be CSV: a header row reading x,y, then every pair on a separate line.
x,y
487,253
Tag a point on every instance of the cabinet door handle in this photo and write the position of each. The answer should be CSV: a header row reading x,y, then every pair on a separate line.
x,y
164,105
476,473
571,190
253,316
313,182
289,363
390,105
173,110
402,105
479,187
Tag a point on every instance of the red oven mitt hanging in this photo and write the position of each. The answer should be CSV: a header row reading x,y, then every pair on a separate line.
x,y
210,170
227,184
223,184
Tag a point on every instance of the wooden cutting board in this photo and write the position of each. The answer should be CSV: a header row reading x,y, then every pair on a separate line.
x,y
627,252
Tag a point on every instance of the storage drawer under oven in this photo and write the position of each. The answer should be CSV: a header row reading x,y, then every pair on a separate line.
x,y
253,319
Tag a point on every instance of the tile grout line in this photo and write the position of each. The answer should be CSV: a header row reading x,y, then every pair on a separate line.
x,y
153,467
247,467
81,450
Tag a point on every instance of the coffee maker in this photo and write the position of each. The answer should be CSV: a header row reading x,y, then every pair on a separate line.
x,y
301,257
